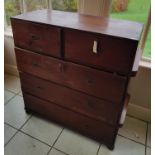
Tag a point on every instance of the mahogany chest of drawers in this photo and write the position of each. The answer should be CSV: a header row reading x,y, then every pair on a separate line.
x,y
75,69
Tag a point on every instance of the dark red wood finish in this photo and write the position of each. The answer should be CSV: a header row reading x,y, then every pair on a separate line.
x,y
94,82
96,129
112,27
38,38
87,105
63,80
114,54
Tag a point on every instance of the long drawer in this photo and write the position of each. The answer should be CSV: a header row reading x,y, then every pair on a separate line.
x,y
85,125
79,102
93,82
100,51
39,38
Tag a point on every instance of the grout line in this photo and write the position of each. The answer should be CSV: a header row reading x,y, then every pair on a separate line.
x,y
11,125
12,91
60,151
19,93
98,149
35,138
17,129
146,138
5,103
58,137
25,122
28,134
20,130
55,142
13,96
52,146
131,139
11,138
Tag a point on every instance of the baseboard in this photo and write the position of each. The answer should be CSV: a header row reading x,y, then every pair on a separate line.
x,y
139,112
10,69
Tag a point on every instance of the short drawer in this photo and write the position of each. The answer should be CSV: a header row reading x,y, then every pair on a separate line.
x,y
91,81
80,123
109,53
71,99
37,37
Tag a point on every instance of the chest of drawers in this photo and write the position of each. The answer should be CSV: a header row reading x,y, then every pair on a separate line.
x,y
75,69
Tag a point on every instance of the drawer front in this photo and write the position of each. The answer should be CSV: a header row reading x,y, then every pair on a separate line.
x,y
70,99
113,54
93,82
85,125
36,37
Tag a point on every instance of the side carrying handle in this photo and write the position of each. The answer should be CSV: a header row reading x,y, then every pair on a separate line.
x,y
95,47
35,37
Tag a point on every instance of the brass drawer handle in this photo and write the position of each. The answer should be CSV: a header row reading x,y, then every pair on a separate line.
x,y
91,81
95,47
39,87
61,67
87,126
35,64
39,50
90,104
34,37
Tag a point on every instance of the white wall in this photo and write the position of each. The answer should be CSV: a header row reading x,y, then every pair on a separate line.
x,y
9,54
140,88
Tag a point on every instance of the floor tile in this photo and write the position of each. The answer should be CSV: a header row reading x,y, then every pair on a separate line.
x,y
149,135
134,129
75,144
123,146
7,96
8,133
42,130
148,151
55,152
14,113
21,94
12,83
22,144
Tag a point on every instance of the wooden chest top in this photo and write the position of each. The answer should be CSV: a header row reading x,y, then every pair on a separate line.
x,y
113,27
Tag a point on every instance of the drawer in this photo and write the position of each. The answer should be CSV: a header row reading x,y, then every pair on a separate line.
x,y
71,99
37,37
91,81
113,54
85,125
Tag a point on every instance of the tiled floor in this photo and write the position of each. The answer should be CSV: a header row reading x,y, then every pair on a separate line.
x,y
29,135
